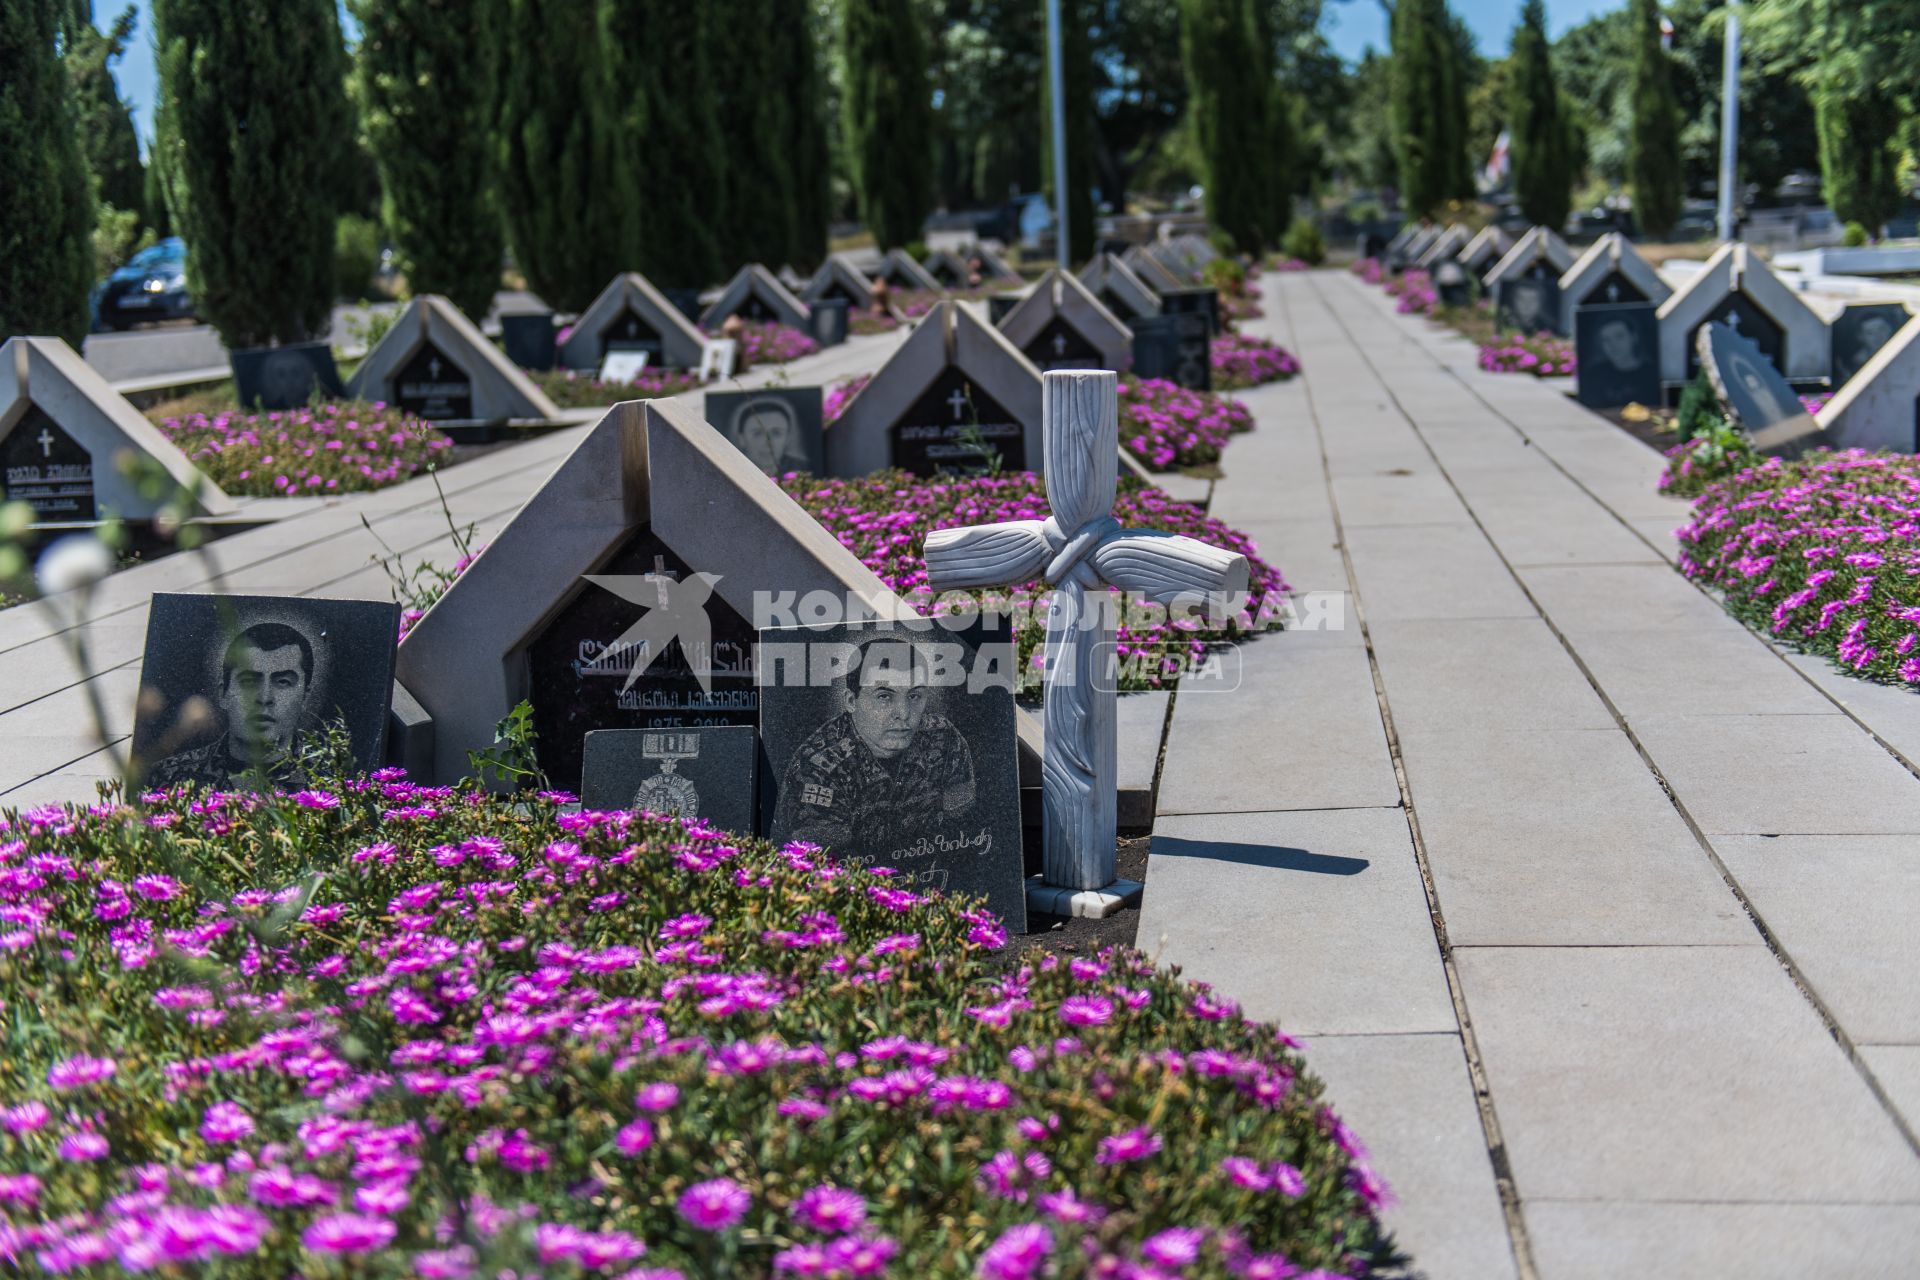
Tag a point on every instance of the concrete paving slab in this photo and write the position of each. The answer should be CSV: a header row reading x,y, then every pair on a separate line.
x,y
1316,920
1675,1073
1611,597
1897,1068
1892,711
1432,571
1396,496
1723,672
1473,673
1307,551
1606,1241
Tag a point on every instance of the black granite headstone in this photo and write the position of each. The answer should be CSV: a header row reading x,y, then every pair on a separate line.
x,y
948,276
827,318
956,426
1754,394
1000,305
704,772
1738,313
1529,304
44,467
1372,244
284,377
579,664
1196,301
433,387
1861,330
1114,303
1614,290
685,301
236,686
1451,284
778,428
754,308
628,332
836,290
1617,354
895,747
1177,348
1061,346
528,337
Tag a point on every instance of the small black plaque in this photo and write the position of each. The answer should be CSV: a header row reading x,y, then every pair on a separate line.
x,y
44,467
704,772
433,387
955,426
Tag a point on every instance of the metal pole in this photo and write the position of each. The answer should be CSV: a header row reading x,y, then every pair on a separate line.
x,y
1055,76
1729,119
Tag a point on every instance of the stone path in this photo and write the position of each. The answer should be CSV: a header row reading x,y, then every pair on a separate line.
x,y
1596,912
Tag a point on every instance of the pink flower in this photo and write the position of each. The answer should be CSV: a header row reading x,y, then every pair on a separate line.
x,y
78,1072
347,1233
830,1209
1086,1011
83,1146
226,1122
634,1138
1018,1254
1123,1148
714,1205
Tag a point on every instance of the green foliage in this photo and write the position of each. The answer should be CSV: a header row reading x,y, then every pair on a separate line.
x,y
1854,236
46,198
1303,241
105,123
555,133
1653,161
425,78
1076,73
799,82
116,234
510,763
356,256
754,116
670,176
888,116
1232,104
1699,412
1541,135
259,169
1858,162
1427,106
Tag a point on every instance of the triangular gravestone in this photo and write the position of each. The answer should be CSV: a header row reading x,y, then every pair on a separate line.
x,y
1538,253
64,433
435,363
838,278
1119,290
651,497
954,391
1611,273
1152,272
1446,245
790,278
1403,237
900,271
755,293
631,315
1738,289
1418,244
1061,325
1484,251
950,271
1879,405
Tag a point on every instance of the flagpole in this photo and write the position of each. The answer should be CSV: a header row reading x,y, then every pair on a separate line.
x,y
1729,118
1055,76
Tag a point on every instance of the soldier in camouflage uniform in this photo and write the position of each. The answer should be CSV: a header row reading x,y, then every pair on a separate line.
x,y
885,771
265,677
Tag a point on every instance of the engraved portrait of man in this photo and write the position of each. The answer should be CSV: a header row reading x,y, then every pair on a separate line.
x,y
266,683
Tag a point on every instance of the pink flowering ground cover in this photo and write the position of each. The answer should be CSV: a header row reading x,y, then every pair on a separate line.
x,y
1822,553
380,1029
1415,290
1543,355
884,519
768,343
1241,360
335,447
571,389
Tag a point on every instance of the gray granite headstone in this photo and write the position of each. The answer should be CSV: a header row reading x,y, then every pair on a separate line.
x,y
284,377
704,772
1879,407
1754,394
1452,284
895,746
528,337
1859,331
436,362
1617,355
827,319
1177,348
232,685
778,428
1529,304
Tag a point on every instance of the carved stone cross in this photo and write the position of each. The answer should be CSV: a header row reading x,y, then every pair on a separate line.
x,y
1082,550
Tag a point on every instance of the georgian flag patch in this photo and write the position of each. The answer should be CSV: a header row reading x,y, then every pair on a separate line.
x,y
814,793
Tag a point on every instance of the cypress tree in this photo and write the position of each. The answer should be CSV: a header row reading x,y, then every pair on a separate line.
x,y
1858,161
555,156
46,198
755,121
1653,146
669,173
1539,135
1427,106
256,98
426,85
798,70
106,125
1232,101
1076,78
889,116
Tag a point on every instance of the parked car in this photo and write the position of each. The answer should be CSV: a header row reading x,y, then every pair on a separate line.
x,y
152,286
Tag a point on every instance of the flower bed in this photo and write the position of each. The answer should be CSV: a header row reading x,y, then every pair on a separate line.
x,y
381,1029
840,395
1241,360
1414,288
914,303
336,447
763,342
1822,552
571,389
1543,355
865,323
884,519
1371,270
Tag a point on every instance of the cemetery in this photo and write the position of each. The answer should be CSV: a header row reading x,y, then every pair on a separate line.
x,y
856,640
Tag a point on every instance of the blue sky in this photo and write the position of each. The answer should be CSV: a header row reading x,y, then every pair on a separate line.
x,y
1351,25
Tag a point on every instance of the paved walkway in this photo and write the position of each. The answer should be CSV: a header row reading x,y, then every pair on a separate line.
x,y
1598,914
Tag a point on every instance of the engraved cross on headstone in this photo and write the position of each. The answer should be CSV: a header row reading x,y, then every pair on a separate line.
x,y
433,368
1733,321
1059,344
1613,291
45,440
959,401
1082,550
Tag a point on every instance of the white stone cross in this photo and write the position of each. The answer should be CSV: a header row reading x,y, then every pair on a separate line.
x,y
1059,344
1082,550
959,401
45,440
1733,321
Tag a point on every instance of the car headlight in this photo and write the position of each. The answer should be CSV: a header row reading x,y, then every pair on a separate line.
x,y
152,285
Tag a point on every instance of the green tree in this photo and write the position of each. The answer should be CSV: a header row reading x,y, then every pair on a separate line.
x,y
1232,104
669,171
1859,165
889,116
560,186
756,120
1427,106
106,125
1653,160
804,142
1076,76
256,98
46,197
1540,136
425,83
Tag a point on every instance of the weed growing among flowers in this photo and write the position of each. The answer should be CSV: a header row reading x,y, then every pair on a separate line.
x,y
335,447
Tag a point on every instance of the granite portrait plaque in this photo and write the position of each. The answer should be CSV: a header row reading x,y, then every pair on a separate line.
x,y
528,337
643,644
1617,355
433,387
778,428
1861,330
44,467
284,377
956,426
1529,304
1753,393
894,746
827,319
704,772
233,687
